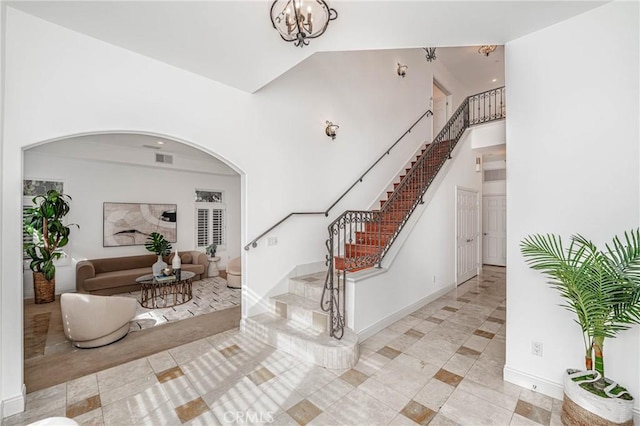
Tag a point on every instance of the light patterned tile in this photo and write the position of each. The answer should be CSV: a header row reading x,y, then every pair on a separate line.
x,y
191,410
418,413
329,394
283,395
81,407
354,377
448,377
533,412
304,412
260,376
434,394
82,388
169,374
162,361
91,418
465,408
385,394
490,395
537,399
358,408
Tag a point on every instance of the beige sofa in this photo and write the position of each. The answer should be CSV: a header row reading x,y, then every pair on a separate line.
x,y
118,274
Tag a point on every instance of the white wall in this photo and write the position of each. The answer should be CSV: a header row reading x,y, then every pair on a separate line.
x,y
573,162
61,83
498,187
425,262
91,183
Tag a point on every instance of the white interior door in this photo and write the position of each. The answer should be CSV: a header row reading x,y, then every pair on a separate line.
x,y
440,112
494,230
467,234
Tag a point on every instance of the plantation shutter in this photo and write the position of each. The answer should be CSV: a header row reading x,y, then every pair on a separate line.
x,y
217,220
202,223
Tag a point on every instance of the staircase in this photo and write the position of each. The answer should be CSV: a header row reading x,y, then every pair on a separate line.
x,y
309,321
297,325
361,239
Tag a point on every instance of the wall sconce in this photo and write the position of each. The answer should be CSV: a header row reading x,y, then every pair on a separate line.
x,y
402,70
478,164
331,130
431,53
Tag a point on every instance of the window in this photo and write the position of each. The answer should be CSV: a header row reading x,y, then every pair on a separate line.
x,y
203,196
210,219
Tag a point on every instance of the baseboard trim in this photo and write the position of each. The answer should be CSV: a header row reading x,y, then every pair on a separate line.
x,y
14,405
390,319
544,386
534,383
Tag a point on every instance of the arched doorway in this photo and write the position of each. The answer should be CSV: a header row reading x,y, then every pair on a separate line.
x,y
128,167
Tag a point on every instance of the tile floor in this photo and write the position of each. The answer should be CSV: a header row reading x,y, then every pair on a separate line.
x,y
441,365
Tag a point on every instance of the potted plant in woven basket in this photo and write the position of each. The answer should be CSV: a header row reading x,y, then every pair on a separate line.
x,y
602,287
44,222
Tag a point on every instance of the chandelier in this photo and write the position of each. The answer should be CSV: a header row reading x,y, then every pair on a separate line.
x,y
300,20
487,49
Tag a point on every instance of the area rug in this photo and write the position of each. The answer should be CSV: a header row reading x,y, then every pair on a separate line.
x,y
209,295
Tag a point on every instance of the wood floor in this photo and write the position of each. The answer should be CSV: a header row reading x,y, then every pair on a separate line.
x,y
62,362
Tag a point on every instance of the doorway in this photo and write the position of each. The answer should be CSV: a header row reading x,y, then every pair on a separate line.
x,y
441,107
467,234
494,230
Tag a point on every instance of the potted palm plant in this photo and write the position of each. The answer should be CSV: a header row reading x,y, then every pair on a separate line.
x,y
156,243
603,289
44,222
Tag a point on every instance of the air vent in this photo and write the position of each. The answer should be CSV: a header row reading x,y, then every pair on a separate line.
x,y
150,147
495,174
164,158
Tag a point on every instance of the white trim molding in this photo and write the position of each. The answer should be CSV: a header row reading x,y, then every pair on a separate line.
x,y
14,405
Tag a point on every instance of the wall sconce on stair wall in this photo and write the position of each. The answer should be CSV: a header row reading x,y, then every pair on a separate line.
x,y
478,164
331,130
402,70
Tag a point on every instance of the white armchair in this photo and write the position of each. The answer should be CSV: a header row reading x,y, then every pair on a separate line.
x,y
90,321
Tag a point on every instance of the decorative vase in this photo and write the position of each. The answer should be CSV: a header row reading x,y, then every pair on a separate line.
x,y
44,290
581,407
176,264
157,267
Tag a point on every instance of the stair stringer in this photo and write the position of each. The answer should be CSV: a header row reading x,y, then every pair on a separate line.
x,y
400,239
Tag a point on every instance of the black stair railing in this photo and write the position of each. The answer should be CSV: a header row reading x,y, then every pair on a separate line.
x,y
361,239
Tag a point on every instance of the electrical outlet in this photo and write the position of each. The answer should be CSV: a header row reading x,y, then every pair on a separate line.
x,y
536,348
272,241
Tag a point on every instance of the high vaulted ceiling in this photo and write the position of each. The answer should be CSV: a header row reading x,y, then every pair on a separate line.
x,y
233,42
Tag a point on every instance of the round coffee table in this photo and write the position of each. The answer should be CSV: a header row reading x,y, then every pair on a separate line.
x,y
164,292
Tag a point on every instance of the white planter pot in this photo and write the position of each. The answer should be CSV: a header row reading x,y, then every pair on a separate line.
x,y
581,407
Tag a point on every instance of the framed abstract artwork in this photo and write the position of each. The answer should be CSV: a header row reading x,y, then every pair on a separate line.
x,y
129,224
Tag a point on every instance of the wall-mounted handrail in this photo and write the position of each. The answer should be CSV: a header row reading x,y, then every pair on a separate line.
x,y
254,242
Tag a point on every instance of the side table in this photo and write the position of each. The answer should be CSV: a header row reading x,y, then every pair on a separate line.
x,y
213,270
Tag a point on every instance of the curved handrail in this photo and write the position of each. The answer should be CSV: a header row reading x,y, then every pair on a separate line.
x,y
254,243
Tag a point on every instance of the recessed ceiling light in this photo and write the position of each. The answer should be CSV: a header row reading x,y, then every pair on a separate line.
x,y
494,80
160,142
